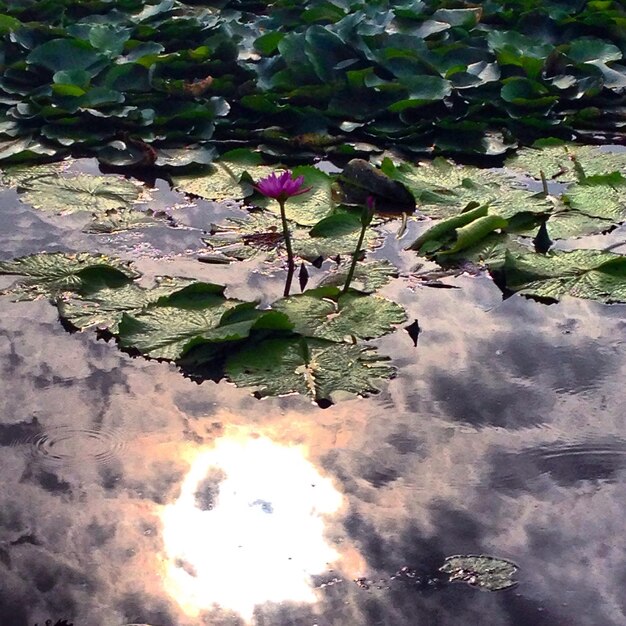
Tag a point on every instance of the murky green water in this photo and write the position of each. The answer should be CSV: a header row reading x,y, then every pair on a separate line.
x,y
131,495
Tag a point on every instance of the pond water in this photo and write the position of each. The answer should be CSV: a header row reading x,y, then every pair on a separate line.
x,y
132,495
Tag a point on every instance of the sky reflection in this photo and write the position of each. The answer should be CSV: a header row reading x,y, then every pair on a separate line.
x,y
248,527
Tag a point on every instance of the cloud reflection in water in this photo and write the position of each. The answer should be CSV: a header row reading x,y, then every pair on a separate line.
x,y
248,527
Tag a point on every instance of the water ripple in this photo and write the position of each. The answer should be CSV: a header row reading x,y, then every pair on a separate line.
x,y
65,445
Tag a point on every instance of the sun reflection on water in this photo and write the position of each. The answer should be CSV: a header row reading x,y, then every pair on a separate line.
x,y
248,527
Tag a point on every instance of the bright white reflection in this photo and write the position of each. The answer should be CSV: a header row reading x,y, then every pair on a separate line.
x,y
248,527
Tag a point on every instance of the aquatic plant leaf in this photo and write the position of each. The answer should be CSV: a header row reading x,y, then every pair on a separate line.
x,y
327,314
444,231
603,201
49,274
224,181
557,160
116,220
590,274
484,572
82,192
260,232
368,277
66,54
199,313
442,188
105,307
488,253
310,367
337,224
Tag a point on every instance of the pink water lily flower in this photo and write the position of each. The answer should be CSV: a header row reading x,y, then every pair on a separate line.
x,y
281,186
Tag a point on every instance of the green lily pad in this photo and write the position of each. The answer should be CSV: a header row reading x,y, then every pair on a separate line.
x,y
368,277
558,161
82,192
311,367
442,188
590,274
199,313
224,181
260,232
483,572
105,307
327,314
116,220
49,274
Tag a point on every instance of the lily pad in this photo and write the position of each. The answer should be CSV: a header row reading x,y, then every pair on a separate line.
x,y
487,573
199,313
116,220
104,308
368,277
590,274
49,274
311,367
224,181
82,192
260,232
558,161
327,314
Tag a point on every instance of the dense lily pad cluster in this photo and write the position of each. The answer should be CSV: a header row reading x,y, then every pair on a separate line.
x,y
160,82
482,220
307,343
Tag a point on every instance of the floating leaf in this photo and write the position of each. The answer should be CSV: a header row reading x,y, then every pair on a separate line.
x,y
368,277
224,181
558,161
591,274
105,307
310,367
81,192
194,315
337,225
326,314
484,572
116,220
261,232
51,273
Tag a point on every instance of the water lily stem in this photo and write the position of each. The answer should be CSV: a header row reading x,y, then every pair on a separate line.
x,y
355,256
291,266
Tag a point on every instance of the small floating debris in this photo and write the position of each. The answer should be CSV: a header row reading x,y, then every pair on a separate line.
x,y
485,572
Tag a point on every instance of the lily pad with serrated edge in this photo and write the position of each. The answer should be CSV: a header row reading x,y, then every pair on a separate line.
x,y
199,313
325,313
591,274
105,307
311,367
81,192
49,274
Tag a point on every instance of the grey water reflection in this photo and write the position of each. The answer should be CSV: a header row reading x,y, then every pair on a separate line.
x,y
132,495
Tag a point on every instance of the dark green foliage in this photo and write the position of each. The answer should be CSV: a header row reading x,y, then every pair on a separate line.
x,y
132,80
